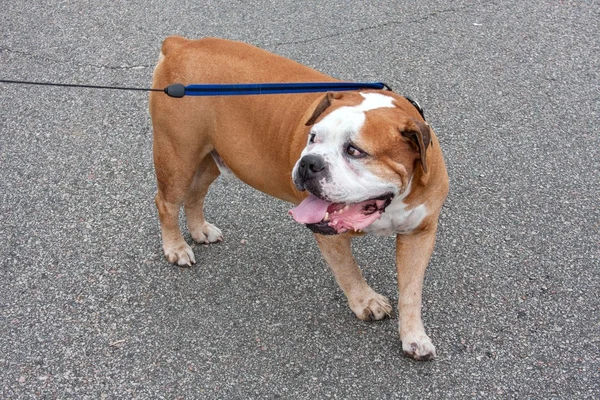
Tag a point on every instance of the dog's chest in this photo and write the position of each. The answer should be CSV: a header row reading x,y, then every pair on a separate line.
x,y
398,219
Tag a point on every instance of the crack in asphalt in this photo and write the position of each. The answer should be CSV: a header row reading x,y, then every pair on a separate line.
x,y
303,41
78,64
380,25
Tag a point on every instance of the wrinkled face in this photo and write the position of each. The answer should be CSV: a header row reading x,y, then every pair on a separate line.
x,y
358,157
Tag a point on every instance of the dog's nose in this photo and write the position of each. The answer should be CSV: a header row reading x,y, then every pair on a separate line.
x,y
310,166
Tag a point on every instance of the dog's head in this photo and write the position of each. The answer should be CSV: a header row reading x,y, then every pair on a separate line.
x,y
362,151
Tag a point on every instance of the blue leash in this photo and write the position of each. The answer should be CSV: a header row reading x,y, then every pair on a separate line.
x,y
178,90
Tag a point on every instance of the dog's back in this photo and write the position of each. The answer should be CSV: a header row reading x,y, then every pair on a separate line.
x,y
245,123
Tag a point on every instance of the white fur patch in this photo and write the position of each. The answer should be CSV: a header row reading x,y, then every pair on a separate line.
x,y
223,168
375,100
397,219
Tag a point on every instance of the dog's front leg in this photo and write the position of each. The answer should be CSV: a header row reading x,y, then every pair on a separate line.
x,y
367,304
413,252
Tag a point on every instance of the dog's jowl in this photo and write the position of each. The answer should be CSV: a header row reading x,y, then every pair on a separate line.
x,y
352,163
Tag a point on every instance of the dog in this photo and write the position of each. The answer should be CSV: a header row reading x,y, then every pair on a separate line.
x,y
353,163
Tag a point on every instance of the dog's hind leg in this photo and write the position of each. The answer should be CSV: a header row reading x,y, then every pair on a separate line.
x,y
201,231
364,302
176,250
176,163
172,185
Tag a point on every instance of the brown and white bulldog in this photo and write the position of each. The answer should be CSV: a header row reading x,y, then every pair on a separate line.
x,y
354,163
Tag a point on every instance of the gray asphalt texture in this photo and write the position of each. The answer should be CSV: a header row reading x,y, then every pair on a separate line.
x,y
90,309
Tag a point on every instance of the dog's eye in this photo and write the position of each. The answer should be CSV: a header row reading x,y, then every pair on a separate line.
x,y
354,151
311,137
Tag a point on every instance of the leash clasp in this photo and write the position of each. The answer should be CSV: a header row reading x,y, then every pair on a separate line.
x,y
176,90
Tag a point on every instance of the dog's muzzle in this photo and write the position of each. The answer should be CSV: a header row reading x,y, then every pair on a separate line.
x,y
311,170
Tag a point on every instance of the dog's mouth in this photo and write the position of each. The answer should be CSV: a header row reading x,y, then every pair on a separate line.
x,y
327,218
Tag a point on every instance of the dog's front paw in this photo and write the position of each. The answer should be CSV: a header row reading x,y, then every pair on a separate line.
x,y
180,254
207,233
418,346
371,307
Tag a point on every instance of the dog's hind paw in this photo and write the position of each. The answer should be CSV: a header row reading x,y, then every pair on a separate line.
x,y
206,233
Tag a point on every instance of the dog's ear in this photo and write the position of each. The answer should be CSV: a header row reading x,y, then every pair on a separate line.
x,y
322,106
421,137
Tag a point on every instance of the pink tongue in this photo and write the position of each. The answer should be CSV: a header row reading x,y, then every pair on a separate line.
x,y
310,211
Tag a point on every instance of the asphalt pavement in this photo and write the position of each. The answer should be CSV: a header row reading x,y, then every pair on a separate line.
x,y
89,308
